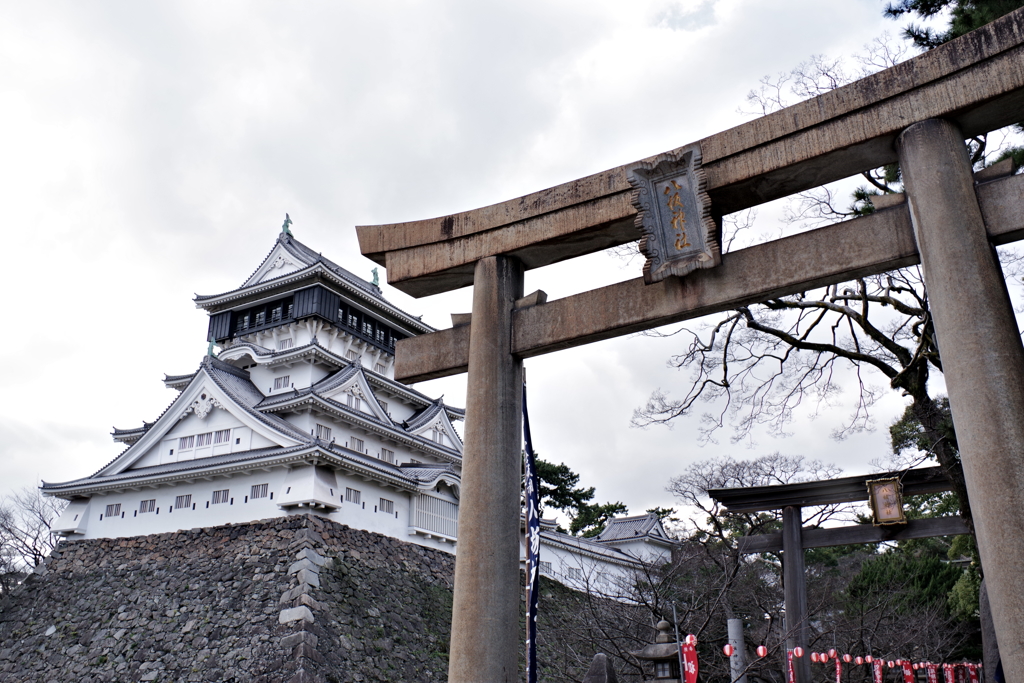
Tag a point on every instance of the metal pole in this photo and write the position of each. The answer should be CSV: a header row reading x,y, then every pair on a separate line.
x,y
795,591
485,610
982,361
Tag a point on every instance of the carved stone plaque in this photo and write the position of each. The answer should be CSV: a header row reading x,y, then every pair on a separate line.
x,y
674,215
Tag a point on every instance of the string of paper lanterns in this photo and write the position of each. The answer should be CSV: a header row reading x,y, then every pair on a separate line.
x,y
949,670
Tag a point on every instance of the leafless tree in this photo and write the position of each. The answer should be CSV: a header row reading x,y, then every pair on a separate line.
x,y
761,363
26,518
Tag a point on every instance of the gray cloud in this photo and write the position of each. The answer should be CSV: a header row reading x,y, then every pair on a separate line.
x,y
154,149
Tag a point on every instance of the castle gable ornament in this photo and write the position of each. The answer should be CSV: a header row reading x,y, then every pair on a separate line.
x,y
281,262
674,215
202,407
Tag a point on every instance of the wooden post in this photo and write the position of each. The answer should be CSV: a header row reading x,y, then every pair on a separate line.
x,y
485,613
982,360
795,586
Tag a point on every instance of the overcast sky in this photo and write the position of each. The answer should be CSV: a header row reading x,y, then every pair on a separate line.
x,y
151,151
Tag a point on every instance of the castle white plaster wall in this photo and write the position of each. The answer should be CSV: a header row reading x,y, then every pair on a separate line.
x,y
365,515
584,573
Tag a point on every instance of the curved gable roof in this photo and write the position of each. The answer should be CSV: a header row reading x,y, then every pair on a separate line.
x,y
237,395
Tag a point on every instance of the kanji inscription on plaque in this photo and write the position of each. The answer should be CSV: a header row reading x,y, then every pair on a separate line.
x,y
678,234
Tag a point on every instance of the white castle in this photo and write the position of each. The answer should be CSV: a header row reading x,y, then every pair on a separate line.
x,y
299,413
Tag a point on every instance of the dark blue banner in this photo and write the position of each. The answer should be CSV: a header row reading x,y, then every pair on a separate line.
x,y
532,548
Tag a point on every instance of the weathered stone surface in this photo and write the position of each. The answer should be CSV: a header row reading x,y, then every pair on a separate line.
x,y
205,605
301,613
487,593
121,610
600,671
308,577
976,80
304,563
982,361
873,244
311,555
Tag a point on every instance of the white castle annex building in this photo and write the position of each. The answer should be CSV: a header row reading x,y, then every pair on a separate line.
x,y
299,413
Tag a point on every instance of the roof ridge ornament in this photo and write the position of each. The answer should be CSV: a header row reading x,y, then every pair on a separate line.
x,y
674,214
284,226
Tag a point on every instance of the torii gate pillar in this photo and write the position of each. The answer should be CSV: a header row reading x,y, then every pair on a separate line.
x,y
982,360
485,612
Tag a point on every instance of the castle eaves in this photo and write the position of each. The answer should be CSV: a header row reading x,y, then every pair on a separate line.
x,y
231,463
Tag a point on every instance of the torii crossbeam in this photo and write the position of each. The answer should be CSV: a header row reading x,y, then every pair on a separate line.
x,y
917,113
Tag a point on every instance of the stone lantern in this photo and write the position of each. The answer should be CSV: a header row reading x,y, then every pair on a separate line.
x,y
664,652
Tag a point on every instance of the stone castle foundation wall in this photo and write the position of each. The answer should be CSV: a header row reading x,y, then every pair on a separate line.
x,y
296,599
293,599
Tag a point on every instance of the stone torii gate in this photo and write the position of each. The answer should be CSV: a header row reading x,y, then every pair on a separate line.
x,y
917,113
794,539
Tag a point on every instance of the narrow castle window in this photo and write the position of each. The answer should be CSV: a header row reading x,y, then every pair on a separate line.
x,y
387,455
352,495
186,442
223,436
114,510
355,444
323,433
287,343
220,496
387,506
380,368
282,382
258,491
204,439
183,501
147,505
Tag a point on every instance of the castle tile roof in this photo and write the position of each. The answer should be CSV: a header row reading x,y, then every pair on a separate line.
x,y
632,528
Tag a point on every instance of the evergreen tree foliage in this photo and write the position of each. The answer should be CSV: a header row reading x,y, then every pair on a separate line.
x,y
907,434
559,489
911,581
964,17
